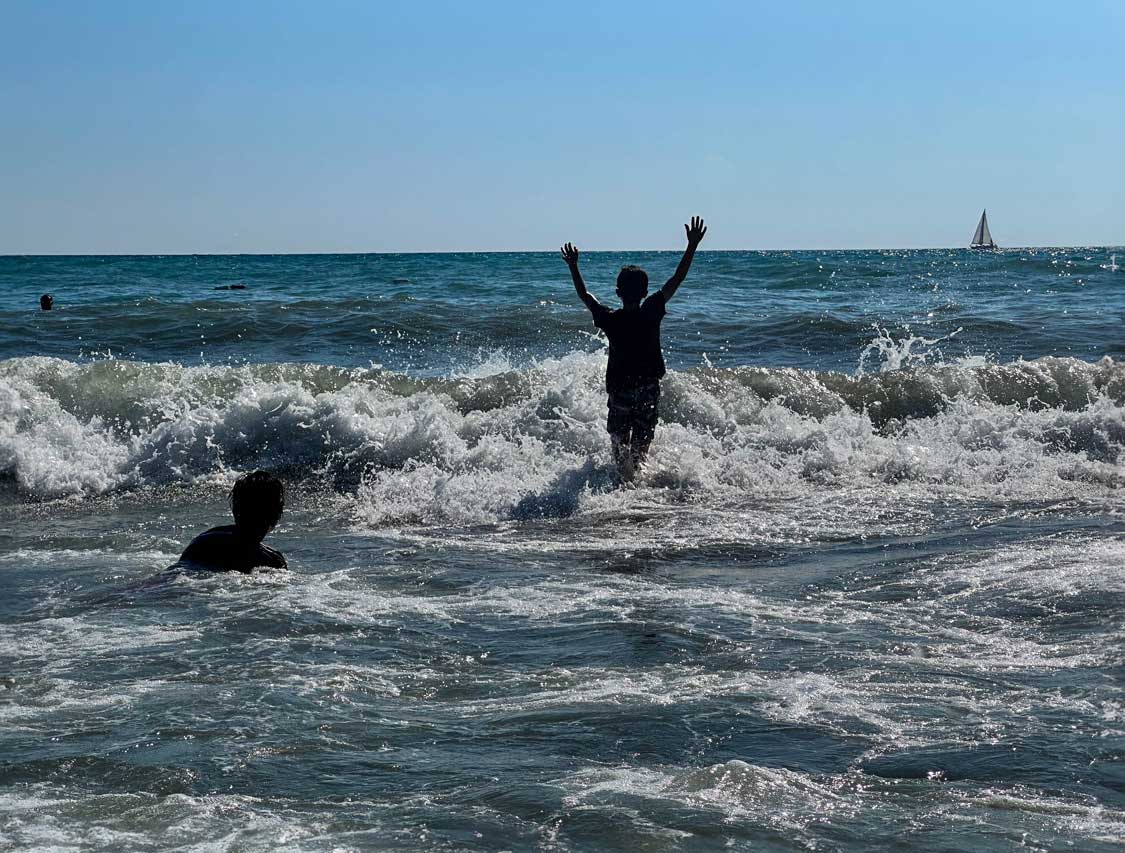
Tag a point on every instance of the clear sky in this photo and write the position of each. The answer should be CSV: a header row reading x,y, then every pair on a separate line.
x,y
169,127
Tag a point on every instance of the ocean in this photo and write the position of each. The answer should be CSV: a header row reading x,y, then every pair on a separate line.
x,y
867,594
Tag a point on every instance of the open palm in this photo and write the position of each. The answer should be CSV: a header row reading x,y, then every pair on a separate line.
x,y
696,230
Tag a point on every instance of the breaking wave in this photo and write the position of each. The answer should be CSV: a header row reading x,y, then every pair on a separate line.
x,y
501,442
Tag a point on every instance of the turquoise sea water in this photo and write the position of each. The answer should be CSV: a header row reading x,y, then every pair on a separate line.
x,y
866,595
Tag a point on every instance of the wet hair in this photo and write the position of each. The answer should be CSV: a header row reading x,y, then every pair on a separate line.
x,y
257,502
46,301
632,283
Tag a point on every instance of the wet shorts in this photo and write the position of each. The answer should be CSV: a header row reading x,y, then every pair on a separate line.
x,y
632,413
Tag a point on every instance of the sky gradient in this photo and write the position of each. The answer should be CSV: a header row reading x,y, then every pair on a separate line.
x,y
377,127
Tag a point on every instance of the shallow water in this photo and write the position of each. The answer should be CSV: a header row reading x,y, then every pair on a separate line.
x,y
866,595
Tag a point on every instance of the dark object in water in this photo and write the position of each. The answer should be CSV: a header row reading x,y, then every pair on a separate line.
x,y
257,502
46,302
231,287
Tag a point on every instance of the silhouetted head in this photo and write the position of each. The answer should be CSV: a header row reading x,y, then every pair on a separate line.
x,y
46,302
257,501
632,284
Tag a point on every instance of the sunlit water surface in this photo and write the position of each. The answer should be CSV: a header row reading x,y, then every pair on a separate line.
x,y
867,594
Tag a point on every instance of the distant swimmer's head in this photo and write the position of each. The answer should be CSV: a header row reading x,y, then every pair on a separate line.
x,y
46,302
257,501
632,284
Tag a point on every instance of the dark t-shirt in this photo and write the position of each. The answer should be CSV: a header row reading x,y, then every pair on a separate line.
x,y
222,549
634,343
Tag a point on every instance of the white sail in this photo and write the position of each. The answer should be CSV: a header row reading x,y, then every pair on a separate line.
x,y
982,238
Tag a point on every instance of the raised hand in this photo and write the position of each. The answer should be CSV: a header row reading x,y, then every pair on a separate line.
x,y
570,254
695,231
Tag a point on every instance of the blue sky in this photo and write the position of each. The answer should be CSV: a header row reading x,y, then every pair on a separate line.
x,y
365,126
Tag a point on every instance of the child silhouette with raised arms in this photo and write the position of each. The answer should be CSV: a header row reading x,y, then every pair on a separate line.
x,y
636,362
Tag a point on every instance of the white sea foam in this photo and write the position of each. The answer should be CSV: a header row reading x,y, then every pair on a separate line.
x,y
58,642
56,558
48,819
740,793
965,626
734,790
529,444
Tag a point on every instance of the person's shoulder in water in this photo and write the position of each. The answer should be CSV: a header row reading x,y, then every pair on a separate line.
x,y
257,502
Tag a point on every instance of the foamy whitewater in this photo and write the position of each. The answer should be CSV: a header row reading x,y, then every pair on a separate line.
x,y
867,593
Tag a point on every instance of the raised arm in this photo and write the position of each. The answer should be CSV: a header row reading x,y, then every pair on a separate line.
x,y
570,255
695,233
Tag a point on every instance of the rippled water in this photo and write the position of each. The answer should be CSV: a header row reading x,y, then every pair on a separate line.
x,y
867,594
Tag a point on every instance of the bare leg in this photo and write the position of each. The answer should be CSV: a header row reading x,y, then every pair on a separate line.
x,y
623,455
644,424
638,452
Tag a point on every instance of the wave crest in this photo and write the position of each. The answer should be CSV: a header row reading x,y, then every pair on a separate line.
x,y
532,442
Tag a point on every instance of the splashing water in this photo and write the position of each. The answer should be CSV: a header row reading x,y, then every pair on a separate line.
x,y
890,354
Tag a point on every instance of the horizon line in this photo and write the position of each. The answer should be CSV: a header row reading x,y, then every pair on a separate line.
x,y
536,251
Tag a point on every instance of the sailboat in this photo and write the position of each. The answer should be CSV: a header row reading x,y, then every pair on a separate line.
x,y
982,239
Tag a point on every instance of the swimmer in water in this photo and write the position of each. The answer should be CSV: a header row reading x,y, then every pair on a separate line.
x,y
257,502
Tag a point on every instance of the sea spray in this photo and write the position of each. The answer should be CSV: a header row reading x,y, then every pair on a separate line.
x,y
474,448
